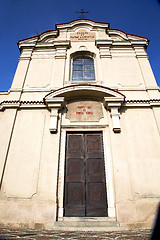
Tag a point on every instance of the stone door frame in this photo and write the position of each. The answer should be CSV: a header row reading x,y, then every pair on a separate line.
x,y
108,169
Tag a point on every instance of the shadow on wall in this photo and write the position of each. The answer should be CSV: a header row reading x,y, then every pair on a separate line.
x,y
156,228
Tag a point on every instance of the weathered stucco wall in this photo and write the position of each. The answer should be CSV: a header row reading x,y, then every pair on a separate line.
x,y
7,121
28,193
39,73
32,154
136,157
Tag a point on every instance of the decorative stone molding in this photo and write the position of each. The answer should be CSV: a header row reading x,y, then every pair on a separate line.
x,y
87,90
48,50
123,36
115,120
140,52
142,103
26,47
128,47
21,104
40,104
104,48
113,104
112,99
87,22
54,105
61,49
9,104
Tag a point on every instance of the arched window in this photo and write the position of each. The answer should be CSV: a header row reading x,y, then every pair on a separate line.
x,y
83,69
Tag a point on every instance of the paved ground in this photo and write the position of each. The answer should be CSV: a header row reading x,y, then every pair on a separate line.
x,y
8,234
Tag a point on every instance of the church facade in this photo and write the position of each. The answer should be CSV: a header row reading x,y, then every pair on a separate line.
x,y
80,129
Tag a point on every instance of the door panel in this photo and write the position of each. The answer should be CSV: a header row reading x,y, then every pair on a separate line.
x,y
85,189
74,176
75,193
95,176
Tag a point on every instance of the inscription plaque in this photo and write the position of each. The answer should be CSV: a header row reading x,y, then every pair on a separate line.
x,y
84,111
82,35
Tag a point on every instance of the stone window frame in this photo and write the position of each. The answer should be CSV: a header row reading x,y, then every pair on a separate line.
x,y
82,54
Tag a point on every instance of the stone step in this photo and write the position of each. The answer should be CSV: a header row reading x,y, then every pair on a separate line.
x,y
89,229
87,219
80,223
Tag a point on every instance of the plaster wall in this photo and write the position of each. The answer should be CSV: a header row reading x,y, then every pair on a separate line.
x,y
147,72
33,95
135,94
27,154
24,155
20,74
50,72
143,136
59,73
28,193
143,168
154,93
7,120
18,213
123,72
121,169
39,73
10,95
3,96
34,157
156,112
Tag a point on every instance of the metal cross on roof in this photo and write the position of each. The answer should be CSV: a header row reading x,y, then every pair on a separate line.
x,y
82,14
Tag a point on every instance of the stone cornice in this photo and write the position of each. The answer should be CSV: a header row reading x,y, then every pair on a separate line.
x,y
126,36
28,46
110,102
142,103
122,88
76,22
49,103
109,48
103,43
56,102
119,37
92,91
21,104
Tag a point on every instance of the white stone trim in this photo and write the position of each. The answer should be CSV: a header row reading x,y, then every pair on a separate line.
x,y
113,104
115,120
108,170
95,88
85,125
87,22
4,105
109,177
61,175
54,105
53,120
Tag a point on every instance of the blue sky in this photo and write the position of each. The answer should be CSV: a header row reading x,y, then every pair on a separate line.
x,y
21,19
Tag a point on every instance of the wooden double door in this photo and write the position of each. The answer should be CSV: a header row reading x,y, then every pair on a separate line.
x,y
85,188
